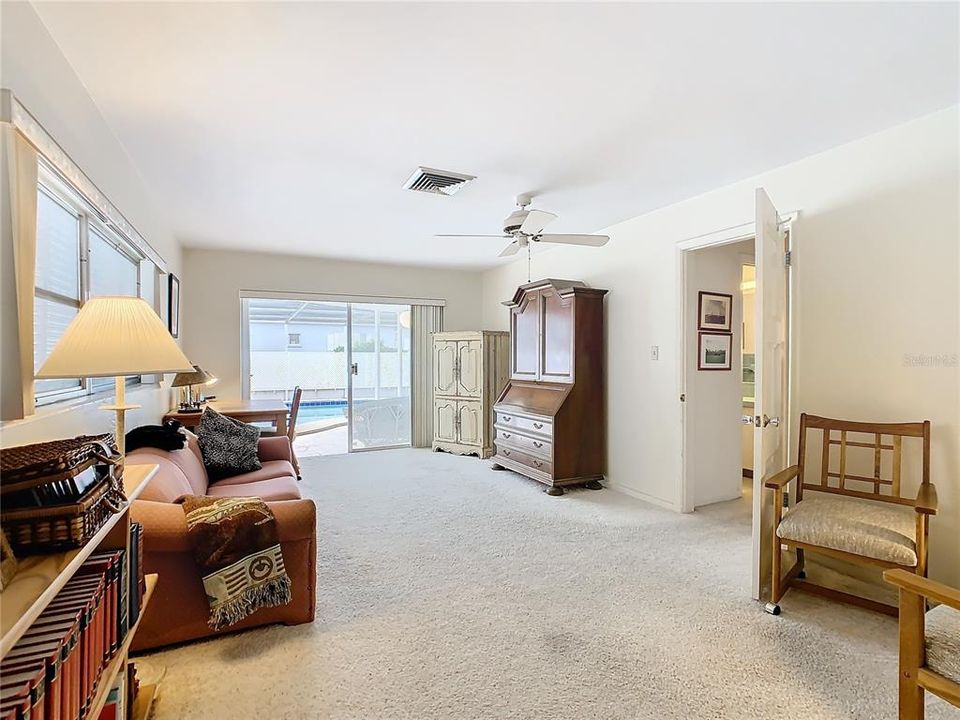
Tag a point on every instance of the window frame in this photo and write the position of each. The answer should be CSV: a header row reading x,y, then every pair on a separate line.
x,y
64,194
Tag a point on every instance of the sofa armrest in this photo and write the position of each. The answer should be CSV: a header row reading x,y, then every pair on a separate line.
x,y
165,527
276,447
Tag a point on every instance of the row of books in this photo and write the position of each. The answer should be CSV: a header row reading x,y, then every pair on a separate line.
x,y
54,671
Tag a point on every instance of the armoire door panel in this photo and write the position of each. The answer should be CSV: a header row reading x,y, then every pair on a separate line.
x,y
469,376
471,423
525,345
556,362
445,420
444,372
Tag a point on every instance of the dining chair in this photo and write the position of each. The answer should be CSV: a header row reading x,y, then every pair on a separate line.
x,y
292,425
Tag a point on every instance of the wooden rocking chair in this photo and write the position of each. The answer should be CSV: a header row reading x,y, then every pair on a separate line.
x,y
856,518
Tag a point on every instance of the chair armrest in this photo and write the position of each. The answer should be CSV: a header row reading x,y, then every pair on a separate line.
x,y
276,447
776,482
926,499
165,527
911,582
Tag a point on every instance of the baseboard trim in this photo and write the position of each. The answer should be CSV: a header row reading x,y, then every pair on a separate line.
x,y
640,495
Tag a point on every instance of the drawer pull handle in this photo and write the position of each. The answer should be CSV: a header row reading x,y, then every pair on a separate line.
x,y
506,418
538,463
538,425
506,452
537,443
504,435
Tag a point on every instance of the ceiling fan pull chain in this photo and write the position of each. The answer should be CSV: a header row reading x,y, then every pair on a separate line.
x,y
529,279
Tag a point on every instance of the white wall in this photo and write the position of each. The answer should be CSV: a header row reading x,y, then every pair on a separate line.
x,y
714,398
32,66
877,274
213,280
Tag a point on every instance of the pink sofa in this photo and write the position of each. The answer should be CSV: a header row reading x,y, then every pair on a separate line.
x,y
179,611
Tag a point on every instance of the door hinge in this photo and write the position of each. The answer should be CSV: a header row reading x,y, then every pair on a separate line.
x,y
683,397
788,258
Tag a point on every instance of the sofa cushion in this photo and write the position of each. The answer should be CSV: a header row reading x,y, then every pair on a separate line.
x,y
229,447
268,469
943,641
169,483
278,488
878,530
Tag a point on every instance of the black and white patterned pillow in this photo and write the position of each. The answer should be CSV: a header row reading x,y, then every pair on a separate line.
x,y
228,446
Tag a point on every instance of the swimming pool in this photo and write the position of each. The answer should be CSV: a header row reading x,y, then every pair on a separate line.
x,y
321,410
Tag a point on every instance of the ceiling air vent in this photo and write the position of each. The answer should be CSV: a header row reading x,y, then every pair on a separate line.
x,y
438,182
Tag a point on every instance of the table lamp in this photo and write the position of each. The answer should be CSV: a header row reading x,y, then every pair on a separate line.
x,y
198,376
115,337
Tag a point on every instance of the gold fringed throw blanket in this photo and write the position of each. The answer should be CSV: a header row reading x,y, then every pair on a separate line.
x,y
237,548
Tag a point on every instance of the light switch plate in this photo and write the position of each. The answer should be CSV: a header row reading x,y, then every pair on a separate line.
x,y
654,352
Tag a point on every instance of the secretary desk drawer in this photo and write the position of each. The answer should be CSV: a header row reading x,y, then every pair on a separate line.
x,y
543,426
539,464
528,443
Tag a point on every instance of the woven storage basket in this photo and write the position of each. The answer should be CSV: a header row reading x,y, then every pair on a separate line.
x,y
49,469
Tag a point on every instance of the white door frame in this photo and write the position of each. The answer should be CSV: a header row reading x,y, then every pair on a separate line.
x,y
727,236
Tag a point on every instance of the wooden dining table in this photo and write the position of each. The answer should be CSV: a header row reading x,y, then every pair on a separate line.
x,y
274,412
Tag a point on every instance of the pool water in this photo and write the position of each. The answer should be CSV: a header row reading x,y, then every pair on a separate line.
x,y
311,412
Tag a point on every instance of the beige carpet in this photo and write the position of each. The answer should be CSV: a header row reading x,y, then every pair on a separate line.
x,y
447,590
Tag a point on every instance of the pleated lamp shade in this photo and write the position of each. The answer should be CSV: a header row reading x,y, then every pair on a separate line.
x,y
114,336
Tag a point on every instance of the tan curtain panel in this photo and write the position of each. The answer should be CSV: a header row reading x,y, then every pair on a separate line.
x,y
424,321
18,262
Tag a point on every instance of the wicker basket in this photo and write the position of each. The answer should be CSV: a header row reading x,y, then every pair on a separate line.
x,y
66,513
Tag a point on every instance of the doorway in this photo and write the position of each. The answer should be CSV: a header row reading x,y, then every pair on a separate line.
x,y
736,329
351,360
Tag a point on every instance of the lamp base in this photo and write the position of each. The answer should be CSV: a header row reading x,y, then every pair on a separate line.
x,y
189,408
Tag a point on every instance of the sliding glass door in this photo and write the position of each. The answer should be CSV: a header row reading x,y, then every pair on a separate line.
x,y
352,361
380,373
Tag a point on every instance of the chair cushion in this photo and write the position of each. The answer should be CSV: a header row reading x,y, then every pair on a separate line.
x,y
878,530
268,469
279,488
943,641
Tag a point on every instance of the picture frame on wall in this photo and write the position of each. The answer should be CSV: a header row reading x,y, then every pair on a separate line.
x,y
173,304
714,351
715,311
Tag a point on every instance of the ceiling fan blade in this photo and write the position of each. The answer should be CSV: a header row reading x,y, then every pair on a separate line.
x,y
510,249
592,240
501,236
536,221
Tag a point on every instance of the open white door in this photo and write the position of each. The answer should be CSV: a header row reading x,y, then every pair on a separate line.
x,y
770,441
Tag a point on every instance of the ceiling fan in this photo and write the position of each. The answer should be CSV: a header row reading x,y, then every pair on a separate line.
x,y
524,226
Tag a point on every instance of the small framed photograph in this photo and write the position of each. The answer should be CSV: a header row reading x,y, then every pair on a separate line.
x,y
715,311
714,351
173,304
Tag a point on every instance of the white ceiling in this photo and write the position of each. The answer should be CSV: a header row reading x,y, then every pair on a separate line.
x,y
291,127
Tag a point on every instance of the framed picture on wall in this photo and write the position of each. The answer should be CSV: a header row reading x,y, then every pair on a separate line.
x,y
715,311
714,351
173,304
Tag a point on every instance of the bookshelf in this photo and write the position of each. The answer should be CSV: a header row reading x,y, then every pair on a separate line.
x,y
119,661
39,579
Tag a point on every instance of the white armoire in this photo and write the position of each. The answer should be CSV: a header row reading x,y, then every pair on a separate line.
x,y
470,368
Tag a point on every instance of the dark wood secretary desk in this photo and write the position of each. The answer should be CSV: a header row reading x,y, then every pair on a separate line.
x,y
550,418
